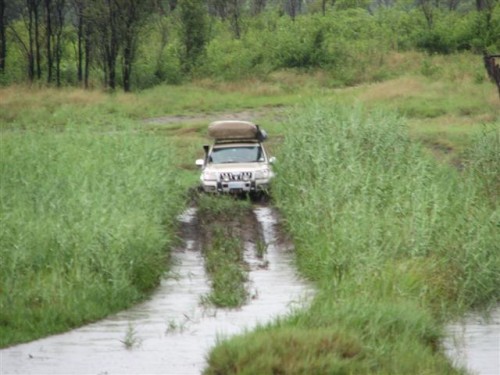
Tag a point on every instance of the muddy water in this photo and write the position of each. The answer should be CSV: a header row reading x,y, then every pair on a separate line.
x,y
172,332
474,344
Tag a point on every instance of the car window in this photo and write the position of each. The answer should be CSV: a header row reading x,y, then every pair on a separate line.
x,y
240,154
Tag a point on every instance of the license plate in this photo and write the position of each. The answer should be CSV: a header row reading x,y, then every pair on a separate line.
x,y
236,185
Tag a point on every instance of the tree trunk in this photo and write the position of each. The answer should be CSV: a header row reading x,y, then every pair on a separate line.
x,y
87,32
58,47
127,67
172,4
111,73
49,33
292,7
79,40
86,67
31,62
258,6
38,49
235,10
3,39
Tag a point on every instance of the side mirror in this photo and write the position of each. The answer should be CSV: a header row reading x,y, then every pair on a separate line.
x,y
200,162
206,148
272,160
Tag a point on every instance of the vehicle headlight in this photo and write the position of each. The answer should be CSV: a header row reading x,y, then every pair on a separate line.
x,y
209,175
262,173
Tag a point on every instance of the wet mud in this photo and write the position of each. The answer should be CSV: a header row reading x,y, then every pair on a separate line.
x,y
173,331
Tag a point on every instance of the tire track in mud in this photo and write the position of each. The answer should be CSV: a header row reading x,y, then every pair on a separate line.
x,y
172,332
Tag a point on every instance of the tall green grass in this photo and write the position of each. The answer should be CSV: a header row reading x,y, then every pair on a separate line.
x,y
395,242
86,219
222,221
373,197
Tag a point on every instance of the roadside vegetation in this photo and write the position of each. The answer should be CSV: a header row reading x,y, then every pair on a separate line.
x,y
395,242
85,225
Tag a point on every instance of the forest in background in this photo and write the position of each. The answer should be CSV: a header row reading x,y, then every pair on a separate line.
x,y
137,44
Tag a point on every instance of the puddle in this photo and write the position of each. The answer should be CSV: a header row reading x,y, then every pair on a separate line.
x,y
474,344
171,333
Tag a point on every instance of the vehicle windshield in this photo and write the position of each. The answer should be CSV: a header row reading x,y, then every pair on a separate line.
x,y
237,154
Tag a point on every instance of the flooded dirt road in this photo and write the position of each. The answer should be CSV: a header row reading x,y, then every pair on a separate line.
x,y
172,332
474,344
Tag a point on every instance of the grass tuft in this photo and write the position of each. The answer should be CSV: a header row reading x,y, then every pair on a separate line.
x,y
223,225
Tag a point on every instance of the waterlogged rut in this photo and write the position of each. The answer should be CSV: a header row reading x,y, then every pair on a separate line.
x,y
172,332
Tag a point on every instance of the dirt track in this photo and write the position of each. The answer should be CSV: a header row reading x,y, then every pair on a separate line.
x,y
247,115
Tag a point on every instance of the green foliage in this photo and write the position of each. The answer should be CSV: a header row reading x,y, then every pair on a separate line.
x,y
85,224
348,42
193,32
336,43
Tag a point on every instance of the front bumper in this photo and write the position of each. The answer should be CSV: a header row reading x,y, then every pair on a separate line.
x,y
235,187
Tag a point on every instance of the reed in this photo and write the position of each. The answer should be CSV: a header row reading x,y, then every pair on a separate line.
x,y
86,221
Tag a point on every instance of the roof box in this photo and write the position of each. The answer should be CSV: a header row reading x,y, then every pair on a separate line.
x,y
235,130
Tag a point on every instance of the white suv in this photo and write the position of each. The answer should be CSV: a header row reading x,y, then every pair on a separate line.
x,y
237,161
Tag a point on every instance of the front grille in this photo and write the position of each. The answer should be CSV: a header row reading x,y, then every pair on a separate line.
x,y
236,176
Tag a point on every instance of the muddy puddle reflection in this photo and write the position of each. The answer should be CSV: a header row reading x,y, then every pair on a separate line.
x,y
172,332
474,344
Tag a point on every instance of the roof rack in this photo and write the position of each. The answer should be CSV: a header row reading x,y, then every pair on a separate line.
x,y
236,130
